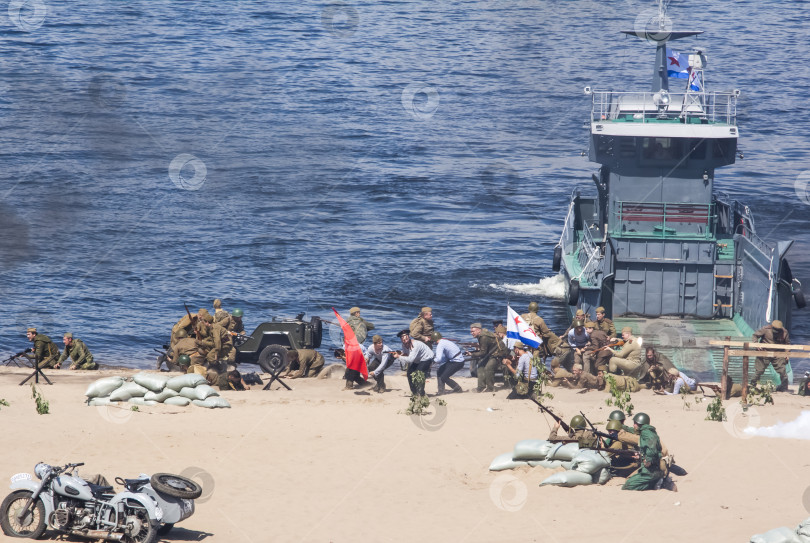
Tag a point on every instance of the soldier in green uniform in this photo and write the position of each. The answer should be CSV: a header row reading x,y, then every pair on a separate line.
x,y
486,357
236,325
621,465
576,433
618,415
185,346
773,333
306,362
360,325
221,317
78,352
45,352
551,341
187,323
603,323
649,454
422,328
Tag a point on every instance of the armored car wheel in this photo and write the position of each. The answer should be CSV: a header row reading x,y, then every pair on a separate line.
x,y
175,485
273,359
32,525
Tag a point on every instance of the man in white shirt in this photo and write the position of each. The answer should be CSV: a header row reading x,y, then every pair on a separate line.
x,y
450,359
378,359
418,356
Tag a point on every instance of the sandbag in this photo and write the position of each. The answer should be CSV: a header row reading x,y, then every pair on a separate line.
x,y
103,387
568,478
531,449
204,391
177,400
98,401
153,381
161,396
190,380
188,392
548,464
505,461
127,391
142,401
562,451
602,476
783,534
212,402
803,530
590,461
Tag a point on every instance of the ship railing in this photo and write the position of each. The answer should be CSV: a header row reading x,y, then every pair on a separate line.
x,y
589,257
664,220
643,107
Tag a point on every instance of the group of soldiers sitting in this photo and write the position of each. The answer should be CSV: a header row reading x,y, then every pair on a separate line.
x,y
204,343
636,451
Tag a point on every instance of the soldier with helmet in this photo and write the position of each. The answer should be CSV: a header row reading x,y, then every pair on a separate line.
x,y
773,333
422,326
359,325
550,340
649,456
235,326
449,360
576,433
185,346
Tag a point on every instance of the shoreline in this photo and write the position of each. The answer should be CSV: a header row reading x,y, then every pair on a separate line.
x,y
321,464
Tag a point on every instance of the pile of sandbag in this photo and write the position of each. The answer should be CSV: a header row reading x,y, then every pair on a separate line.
x,y
583,467
783,534
154,388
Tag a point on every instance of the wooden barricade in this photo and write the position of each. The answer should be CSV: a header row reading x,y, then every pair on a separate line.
x,y
752,348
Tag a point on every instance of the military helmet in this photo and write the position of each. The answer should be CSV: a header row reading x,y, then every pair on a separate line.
x,y
641,418
181,333
533,307
577,422
435,337
618,415
614,425
578,324
237,312
184,360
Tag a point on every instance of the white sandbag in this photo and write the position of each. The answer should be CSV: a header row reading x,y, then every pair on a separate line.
x,y
103,387
531,449
548,464
99,401
562,451
803,530
204,391
161,396
188,392
590,461
142,401
190,380
568,478
603,476
153,381
177,400
127,391
783,534
565,465
505,461
212,402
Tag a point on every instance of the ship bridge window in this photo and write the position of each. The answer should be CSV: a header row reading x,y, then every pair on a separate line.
x,y
724,148
657,149
697,149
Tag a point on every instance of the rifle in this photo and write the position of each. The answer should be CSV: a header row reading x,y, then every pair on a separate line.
x,y
618,452
196,333
619,343
14,357
563,424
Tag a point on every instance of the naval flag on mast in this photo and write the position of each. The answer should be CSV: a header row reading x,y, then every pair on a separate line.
x,y
677,64
518,330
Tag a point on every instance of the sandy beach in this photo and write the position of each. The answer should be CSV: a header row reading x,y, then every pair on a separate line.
x,y
321,464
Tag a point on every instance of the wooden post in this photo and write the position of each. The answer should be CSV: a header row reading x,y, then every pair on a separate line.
x,y
745,376
724,392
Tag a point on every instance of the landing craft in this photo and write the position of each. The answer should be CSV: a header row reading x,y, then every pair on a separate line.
x,y
657,246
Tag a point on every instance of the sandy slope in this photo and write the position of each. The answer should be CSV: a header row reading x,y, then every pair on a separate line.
x,y
322,464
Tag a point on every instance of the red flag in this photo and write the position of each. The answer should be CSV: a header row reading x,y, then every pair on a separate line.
x,y
354,354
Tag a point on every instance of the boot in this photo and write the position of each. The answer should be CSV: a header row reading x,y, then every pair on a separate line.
x,y
783,386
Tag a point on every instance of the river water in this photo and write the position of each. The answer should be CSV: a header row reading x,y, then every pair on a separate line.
x,y
298,156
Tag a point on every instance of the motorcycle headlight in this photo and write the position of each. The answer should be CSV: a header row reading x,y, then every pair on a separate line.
x,y
158,513
41,470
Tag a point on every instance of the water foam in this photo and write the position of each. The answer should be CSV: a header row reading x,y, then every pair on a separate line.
x,y
548,287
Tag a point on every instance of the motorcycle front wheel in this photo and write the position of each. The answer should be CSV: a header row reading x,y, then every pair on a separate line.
x,y
32,525
139,527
